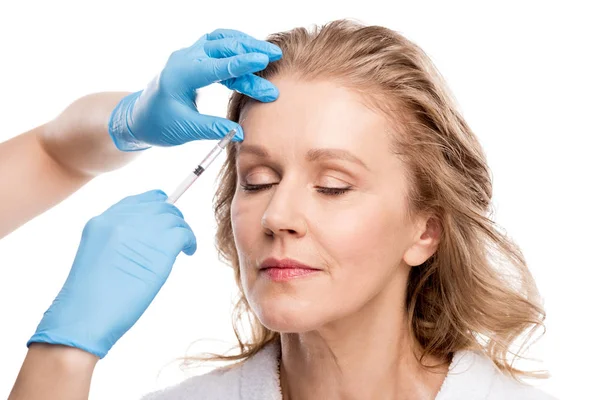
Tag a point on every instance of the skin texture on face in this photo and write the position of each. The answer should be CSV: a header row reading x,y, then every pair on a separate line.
x,y
360,239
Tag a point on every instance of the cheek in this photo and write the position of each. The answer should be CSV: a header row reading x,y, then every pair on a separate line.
x,y
245,218
247,236
366,247
239,214
369,232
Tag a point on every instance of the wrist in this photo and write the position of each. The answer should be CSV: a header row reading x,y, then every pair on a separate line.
x,y
120,122
78,338
54,372
66,359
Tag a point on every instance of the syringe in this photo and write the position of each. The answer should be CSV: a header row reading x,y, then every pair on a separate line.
x,y
183,186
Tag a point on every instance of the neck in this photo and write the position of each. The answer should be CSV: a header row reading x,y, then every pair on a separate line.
x,y
368,355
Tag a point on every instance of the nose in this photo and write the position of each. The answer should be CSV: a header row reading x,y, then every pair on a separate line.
x,y
284,215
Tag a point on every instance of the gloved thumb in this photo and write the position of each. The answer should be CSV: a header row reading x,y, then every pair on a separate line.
x,y
208,127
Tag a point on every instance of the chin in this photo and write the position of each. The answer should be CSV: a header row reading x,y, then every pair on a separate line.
x,y
285,314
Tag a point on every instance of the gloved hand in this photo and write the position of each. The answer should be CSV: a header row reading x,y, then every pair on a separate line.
x,y
124,258
165,113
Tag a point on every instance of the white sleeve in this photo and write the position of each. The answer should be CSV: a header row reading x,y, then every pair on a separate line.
x,y
216,385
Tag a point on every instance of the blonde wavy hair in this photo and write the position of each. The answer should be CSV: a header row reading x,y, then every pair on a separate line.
x,y
476,291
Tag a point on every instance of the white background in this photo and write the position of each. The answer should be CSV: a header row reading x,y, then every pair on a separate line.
x,y
525,75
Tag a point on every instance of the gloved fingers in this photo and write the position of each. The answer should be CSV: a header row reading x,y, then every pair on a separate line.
x,y
225,33
198,48
198,44
219,34
209,127
233,46
164,222
146,197
210,70
180,239
152,224
146,210
254,86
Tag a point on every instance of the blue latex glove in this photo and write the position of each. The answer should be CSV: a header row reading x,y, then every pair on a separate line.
x,y
165,113
124,258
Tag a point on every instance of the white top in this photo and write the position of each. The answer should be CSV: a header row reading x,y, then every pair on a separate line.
x,y
471,376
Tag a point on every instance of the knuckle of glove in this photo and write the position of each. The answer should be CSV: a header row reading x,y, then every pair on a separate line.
x,y
104,226
235,45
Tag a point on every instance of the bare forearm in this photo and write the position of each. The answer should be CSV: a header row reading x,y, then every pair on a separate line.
x,y
42,167
54,372
78,138
31,181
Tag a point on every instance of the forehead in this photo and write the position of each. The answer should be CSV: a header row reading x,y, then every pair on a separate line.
x,y
316,114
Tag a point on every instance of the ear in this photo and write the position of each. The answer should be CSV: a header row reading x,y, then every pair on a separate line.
x,y
426,240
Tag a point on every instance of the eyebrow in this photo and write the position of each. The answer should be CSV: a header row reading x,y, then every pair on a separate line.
x,y
311,156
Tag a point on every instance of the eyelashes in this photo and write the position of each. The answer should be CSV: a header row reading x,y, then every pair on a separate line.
x,y
324,190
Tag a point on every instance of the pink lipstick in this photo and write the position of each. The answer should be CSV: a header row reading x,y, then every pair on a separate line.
x,y
285,269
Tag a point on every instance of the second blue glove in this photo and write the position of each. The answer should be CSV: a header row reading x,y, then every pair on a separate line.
x,y
124,258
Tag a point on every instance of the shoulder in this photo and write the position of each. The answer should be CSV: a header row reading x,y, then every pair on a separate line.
x,y
256,378
218,384
473,375
505,387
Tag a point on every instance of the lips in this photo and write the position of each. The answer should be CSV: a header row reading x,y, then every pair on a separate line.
x,y
286,263
286,269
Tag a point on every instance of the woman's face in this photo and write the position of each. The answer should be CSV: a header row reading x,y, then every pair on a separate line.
x,y
334,198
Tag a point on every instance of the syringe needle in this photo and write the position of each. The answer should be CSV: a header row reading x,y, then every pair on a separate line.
x,y
191,178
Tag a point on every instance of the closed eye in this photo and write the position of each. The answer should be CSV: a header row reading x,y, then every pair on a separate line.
x,y
330,191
